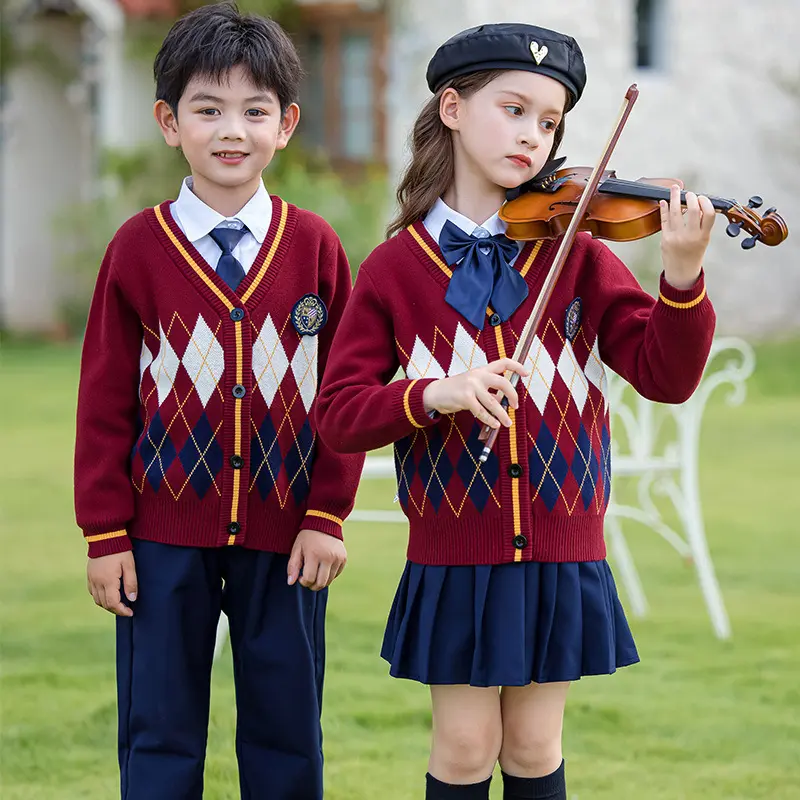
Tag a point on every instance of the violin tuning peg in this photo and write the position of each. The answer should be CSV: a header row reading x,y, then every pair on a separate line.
x,y
770,211
749,243
755,202
734,229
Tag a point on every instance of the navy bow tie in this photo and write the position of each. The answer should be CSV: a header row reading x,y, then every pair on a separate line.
x,y
228,266
481,279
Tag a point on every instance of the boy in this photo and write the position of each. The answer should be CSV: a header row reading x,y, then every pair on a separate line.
x,y
200,482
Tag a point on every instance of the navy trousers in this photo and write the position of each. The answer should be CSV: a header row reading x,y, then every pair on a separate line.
x,y
164,658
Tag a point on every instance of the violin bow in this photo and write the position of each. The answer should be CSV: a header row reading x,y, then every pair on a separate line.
x,y
487,434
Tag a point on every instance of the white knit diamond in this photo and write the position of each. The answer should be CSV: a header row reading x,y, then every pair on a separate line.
x,y
269,360
164,367
466,353
204,360
542,371
145,360
573,376
304,367
596,373
422,364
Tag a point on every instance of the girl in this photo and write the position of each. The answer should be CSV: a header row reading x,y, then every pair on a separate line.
x,y
506,597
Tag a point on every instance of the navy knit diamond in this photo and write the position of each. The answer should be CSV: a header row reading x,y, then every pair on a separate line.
x,y
265,457
478,478
299,461
606,456
435,468
201,457
404,467
585,467
548,467
157,451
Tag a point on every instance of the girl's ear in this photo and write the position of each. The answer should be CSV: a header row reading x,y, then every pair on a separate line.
x,y
450,108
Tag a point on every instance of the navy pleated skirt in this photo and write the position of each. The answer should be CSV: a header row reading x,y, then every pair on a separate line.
x,y
507,625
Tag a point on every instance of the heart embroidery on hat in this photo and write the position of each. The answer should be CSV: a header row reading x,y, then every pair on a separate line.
x,y
537,52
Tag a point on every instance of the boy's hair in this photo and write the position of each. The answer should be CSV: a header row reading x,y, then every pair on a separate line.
x,y
432,167
213,39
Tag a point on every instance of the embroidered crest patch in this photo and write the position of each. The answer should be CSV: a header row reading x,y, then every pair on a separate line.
x,y
309,315
572,319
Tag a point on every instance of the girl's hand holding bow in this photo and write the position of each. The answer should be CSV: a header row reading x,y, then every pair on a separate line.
x,y
469,391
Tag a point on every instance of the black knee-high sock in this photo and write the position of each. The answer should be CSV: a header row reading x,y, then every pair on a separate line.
x,y
436,790
550,787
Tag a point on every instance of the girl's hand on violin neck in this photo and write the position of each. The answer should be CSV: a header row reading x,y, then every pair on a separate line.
x,y
685,237
469,391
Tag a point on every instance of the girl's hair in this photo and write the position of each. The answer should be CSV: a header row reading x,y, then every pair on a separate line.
x,y
432,167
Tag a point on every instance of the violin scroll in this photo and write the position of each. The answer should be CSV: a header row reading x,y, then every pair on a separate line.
x,y
770,229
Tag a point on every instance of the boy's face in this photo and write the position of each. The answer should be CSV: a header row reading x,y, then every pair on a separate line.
x,y
228,131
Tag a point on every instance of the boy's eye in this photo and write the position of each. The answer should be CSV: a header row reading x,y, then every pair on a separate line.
x,y
515,110
208,112
255,112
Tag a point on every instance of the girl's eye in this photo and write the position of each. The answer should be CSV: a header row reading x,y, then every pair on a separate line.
x,y
515,110
549,125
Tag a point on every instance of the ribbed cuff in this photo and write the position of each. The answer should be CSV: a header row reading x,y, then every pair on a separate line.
x,y
438,790
324,522
412,406
683,300
548,787
105,544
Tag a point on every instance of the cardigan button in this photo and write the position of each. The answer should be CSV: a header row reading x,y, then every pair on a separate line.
x,y
495,320
234,528
237,314
239,391
515,471
237,462
520,541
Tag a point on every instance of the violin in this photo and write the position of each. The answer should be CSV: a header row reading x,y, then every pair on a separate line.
x,y
560,202
620,210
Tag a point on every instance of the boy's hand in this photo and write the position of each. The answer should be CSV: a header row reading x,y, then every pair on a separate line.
x,y
469,391
685,237
321,558
103,579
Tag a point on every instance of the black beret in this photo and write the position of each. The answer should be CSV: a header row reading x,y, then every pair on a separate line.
x,y
510,46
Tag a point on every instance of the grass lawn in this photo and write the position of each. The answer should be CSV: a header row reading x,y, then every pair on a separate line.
x,y
696,719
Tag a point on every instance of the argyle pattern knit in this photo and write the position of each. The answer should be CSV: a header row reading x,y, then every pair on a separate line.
x,y
543,493
196,410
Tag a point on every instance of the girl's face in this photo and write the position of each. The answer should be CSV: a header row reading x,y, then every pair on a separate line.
x,y
505,130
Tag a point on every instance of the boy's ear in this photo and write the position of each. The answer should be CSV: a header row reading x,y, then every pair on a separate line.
x,y
168,122
450,108
288,124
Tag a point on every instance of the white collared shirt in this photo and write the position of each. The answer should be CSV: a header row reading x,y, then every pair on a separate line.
x,y
196,220
441,212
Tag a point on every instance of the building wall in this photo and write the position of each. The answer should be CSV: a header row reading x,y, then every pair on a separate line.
x,y
714,115
52,140
139,126
46,157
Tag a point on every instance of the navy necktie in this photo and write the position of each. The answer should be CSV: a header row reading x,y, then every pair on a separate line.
x,y
482,278
228,267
